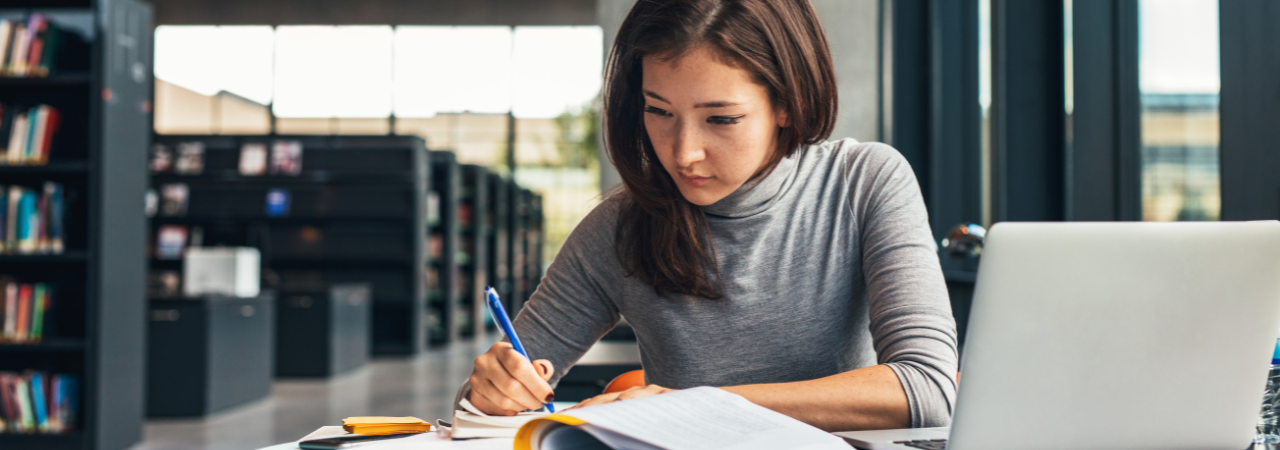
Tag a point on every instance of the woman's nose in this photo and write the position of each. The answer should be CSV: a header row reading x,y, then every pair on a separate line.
x,y
688,147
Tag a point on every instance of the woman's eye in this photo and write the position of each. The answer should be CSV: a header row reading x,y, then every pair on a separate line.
x,y
723,120
657,111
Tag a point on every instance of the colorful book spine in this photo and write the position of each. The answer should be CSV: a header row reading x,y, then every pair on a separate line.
x,y
40,297
10,312
24,313
68,402
56,238
39,402
22,391
28,223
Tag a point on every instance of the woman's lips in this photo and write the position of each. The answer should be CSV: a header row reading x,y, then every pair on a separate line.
x,y
694,180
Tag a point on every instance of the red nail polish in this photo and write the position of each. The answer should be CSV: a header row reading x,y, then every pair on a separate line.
x,y
550,398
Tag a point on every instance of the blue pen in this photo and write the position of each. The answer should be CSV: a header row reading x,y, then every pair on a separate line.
x,y
500,315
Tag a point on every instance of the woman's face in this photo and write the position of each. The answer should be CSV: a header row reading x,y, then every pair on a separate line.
x,y
712,126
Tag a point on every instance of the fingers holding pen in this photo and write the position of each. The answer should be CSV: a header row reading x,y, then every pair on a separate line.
x,y
522,370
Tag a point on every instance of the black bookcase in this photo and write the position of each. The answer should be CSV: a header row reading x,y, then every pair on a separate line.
x,y
498,245
521,248
97,326
443,276
356,215
535,239
473,227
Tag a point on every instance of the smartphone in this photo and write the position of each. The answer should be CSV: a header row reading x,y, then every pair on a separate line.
x,y
349,441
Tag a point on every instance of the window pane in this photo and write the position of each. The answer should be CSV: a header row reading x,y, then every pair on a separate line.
x,y
560,69
213,79
452,69
1179,79
326,71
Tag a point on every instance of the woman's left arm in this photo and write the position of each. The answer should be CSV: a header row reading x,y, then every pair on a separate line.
x,y
912,329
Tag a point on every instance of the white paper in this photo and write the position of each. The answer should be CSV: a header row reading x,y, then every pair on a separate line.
x,y
435,441
324,432
422,441
704,418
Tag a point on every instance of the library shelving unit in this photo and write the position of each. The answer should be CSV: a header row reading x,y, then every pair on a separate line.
x,y
526,259
95,329
473,230
355,214
443,276
498,245
536,239
519,228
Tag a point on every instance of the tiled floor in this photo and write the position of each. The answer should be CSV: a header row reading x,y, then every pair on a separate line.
x,y
423,387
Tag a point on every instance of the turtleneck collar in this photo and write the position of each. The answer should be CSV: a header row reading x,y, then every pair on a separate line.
x,y
756,195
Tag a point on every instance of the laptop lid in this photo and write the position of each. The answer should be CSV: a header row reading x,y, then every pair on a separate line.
x,y
1119,336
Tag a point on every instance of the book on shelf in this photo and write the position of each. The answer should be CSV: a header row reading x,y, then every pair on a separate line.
x,y
30,133
277,202
37,47
151,203
35,402
24,311
286,158
161,159
190,158
171,241
173,199
253,159
31,221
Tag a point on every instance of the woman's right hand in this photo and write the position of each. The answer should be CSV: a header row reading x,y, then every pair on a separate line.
x,y
503,382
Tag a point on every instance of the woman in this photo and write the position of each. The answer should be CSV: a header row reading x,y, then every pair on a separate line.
x,y
745,251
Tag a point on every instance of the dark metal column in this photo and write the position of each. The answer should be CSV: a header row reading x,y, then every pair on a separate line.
x,y
1250,109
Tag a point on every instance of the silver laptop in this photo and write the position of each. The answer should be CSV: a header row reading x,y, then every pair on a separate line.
x,y
1113,336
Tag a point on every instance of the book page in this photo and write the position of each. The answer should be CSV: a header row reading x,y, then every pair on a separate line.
x,y
704,418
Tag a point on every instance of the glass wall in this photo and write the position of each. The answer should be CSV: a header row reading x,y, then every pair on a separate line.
x,y
1179,80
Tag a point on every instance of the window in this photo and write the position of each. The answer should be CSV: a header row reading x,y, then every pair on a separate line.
x,y
1179,82
458,87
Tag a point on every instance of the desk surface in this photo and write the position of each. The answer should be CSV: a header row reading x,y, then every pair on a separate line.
x,y
602,353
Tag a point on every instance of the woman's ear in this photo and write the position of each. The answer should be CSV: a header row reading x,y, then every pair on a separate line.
x,y
783,120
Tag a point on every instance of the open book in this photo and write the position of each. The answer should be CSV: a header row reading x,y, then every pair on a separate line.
x,y
702,418
470,422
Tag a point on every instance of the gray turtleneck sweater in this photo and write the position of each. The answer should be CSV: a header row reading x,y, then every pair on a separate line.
x,y
827,265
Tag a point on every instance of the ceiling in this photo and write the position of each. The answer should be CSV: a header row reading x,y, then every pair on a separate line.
x,y
371,12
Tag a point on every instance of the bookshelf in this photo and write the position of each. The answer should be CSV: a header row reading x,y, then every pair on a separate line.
x,y
497,216
473,212
356,214
443,276
536,238
521,247
96,326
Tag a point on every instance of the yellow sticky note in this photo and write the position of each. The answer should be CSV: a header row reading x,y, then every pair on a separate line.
x,y
380,424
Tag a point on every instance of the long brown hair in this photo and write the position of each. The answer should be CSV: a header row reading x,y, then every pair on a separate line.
x,y
661,237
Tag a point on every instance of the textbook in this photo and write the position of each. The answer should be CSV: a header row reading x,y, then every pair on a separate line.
x,y
703,418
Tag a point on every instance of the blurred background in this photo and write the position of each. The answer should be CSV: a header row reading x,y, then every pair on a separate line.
x,y
280,214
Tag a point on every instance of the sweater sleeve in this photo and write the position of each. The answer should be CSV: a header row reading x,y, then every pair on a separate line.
x,y
573,307
913,330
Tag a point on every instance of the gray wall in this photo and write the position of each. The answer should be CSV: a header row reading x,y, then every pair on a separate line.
x,y
852,28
